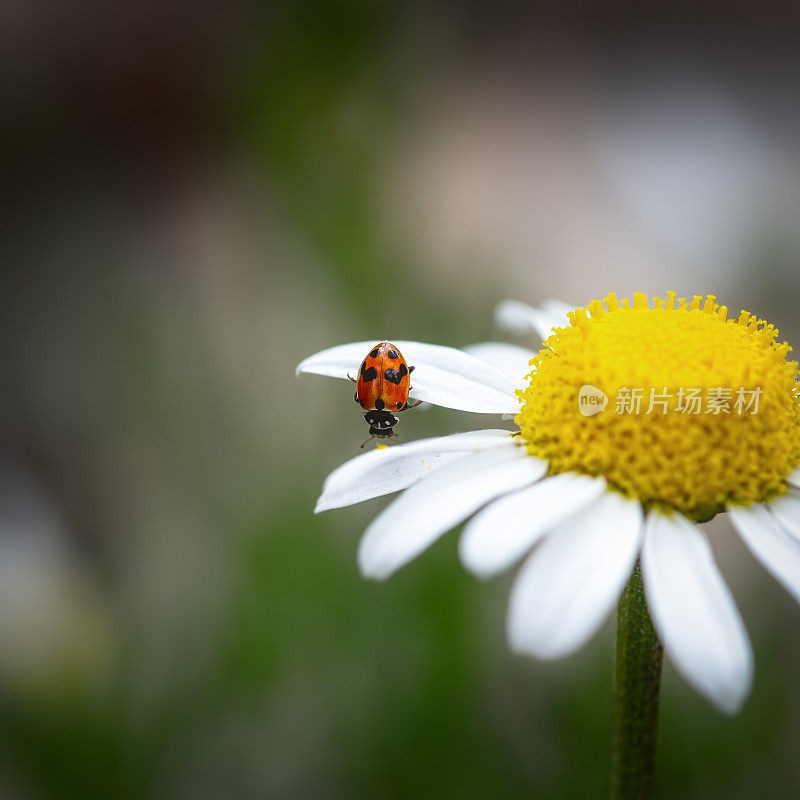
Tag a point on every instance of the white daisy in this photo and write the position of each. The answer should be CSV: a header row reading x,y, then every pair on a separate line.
x,y
582,498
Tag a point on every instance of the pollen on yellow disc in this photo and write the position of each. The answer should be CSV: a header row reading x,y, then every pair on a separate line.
x,y
668,453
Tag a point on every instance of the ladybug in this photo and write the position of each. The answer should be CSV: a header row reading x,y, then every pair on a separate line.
x,y
382,387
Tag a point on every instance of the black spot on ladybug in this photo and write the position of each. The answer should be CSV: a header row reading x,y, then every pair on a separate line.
x,y
392,376
374,353
363,366
400,406
369,374
379,404
403,371
392,354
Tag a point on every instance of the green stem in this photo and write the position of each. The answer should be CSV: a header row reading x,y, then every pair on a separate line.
x,y
637,678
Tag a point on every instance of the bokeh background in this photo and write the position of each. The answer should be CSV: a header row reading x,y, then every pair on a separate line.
x,y
199,195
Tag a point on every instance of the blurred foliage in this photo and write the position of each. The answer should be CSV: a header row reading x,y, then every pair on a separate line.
x,y
356,689
317,110
321,104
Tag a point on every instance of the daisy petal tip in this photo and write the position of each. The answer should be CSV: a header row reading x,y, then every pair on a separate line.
x,y
302,367
473,559
480,556
375,563
694,613
372,569
516,641
321,505
520,643
523,643
504,308
519,317
365,567
729,693
732,704
730,699
326,500
371,576
477,570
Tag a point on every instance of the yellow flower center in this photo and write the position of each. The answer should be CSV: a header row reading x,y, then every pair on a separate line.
x,y
674,404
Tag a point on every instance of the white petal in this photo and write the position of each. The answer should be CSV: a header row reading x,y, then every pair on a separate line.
x,y
510,358
770,544
558,309
794,478
693,611
571,582
521,318
429,509
390,469
787,511
502,533
443,376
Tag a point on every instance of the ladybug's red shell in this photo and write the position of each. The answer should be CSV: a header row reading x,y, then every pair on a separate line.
x,y
383,379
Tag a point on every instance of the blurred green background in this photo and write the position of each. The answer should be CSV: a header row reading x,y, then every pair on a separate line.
x,y
197,197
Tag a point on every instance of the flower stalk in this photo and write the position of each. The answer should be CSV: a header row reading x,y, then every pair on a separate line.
x,y
638,656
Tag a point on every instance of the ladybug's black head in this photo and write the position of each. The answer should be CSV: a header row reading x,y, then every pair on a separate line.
x,y
381,423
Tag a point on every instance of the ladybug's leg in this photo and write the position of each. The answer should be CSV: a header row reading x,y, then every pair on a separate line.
x,y
351,378
413,405
368,440
411,369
